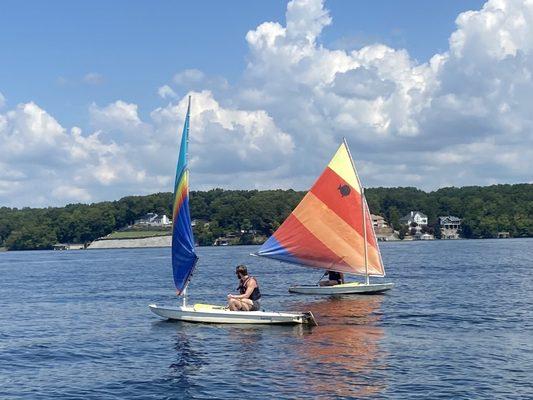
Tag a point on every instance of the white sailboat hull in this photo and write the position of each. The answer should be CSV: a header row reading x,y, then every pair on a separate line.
x,y
219,315
345,288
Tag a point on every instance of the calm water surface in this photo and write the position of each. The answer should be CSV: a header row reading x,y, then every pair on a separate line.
x,y
458,324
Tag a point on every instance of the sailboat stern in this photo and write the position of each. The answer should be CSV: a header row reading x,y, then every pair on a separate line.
x,y
310,319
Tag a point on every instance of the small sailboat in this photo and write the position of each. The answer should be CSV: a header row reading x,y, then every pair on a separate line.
x,y
331,229
184,260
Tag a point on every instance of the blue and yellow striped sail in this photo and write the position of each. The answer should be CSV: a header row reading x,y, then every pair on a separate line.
x,y
183,256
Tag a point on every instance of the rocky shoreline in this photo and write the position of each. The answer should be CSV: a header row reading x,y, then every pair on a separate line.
x,y
155,241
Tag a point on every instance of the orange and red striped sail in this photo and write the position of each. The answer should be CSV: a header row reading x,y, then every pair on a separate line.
x,y
328,228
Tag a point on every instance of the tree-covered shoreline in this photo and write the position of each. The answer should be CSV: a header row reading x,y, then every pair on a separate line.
x,y
485,211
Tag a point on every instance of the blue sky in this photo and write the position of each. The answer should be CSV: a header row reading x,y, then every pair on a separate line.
x,y
428,94
48,47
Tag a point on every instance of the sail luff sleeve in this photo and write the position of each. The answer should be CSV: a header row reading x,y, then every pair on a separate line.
x,y
183,254
370,234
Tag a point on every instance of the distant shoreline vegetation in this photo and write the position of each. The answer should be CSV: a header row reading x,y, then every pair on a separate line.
x,y
484,211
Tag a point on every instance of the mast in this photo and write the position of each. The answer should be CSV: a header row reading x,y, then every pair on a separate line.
x,y
187,154
363,204
184,296
184,293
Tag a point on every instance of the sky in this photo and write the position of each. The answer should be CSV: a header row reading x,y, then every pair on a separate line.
x,y
427,94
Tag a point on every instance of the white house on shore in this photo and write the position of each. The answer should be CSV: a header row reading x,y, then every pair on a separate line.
x,y
418,217
449,227
152,219
419,220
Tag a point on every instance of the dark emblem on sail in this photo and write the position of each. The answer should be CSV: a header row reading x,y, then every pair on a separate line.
x,y
344,189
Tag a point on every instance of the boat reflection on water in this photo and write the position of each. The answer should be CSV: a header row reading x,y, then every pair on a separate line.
x,y
342,356
188,361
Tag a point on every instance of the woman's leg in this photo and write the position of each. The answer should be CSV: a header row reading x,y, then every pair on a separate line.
x,y
246,304
240,304
234,304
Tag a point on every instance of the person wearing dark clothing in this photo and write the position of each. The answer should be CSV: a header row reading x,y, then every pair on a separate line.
x,y
249,293
334,278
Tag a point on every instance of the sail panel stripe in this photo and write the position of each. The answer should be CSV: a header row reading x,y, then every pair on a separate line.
x,y
342,165
302,244
336,234
340,197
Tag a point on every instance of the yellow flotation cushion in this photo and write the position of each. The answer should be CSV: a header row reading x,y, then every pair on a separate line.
x,y
205,307
348,284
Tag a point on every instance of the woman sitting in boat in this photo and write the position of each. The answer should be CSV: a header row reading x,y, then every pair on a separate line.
x,y
334,278
248,299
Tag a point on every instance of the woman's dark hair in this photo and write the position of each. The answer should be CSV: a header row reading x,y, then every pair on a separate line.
x,y
241,269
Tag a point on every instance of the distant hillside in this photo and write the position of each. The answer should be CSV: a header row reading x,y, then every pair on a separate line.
x,y
485,211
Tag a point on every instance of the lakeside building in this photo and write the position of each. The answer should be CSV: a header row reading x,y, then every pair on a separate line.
x,y
69,246
417,217
415,221
382,229
153,219
424,236
449,227
228,240
378,221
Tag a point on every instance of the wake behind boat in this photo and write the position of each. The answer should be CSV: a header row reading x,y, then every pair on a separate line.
x,y
331,229
184,260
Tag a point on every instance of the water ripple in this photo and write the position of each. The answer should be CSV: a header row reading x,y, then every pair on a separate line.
x,y
458,324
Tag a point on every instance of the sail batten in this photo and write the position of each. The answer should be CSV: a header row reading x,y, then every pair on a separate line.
x,y
331,227
183,255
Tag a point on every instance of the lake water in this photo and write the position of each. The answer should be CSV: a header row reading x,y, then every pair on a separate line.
x,y
458,324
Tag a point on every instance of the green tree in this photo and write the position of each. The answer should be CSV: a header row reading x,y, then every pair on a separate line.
x,y
32,237
484,210
393,216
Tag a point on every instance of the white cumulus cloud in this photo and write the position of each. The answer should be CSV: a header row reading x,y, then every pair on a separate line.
x,y
225,140
166,92
42,163
461,118
71,193
397,113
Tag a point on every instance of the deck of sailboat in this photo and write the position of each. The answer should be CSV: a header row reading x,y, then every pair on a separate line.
x,y
206,313
345,288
